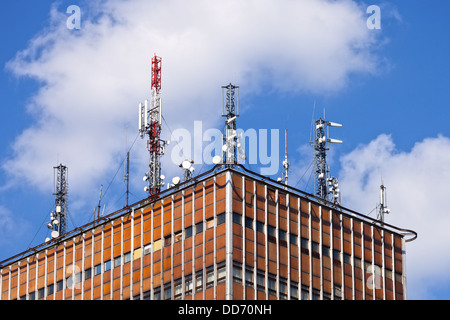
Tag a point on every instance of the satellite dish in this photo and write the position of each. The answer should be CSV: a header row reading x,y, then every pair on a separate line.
x,y
162,177
145,178
217,159
224,148
47,239
176,180
55,221
191,169
55,234
186,164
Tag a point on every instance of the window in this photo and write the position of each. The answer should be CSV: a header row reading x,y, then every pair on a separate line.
x,y
237,272
221,272
127,257
272,283
209,223
221,218
283,288
305,292
293,238
315,294
199,227
178,237
188,232
249,222
168,241
167,291
147,249
41,293
59,285
98,269
249,276
259,226
260,282
117,261
188,284
282,237
87,274
346,258
325,251
50,289
157,293
294,290
336,255
210,277
199,281
108,265
304,244
178,289
236,218
271,234
32,295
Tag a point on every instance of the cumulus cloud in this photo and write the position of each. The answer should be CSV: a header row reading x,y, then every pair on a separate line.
x,y
92,79
416,197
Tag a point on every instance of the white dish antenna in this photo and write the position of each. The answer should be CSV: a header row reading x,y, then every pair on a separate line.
x,y
186,164
55,234
176,180
217,159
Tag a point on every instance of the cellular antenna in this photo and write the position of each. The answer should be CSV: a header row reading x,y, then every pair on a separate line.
x,y
382,207
321,143
150,125
58,218
285,162
230,110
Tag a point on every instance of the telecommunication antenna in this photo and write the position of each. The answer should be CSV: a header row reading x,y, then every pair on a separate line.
x,y
322,171
284,176
150,125
230,110
58,218
127,175
188,169
382,207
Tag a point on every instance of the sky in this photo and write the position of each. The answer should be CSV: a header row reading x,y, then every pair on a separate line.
x,y
70,94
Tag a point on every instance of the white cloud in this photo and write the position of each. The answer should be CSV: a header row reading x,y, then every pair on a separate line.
x,y
416,195
92,79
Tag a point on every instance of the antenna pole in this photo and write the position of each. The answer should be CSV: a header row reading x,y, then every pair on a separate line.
x,y
382,209
150,125
58,218
322,171
285,162
127,175
99,202
230,110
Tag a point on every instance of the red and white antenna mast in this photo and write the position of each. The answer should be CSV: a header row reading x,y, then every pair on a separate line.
x,y
150,125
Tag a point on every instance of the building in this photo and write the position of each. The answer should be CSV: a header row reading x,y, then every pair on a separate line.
x,y
227,234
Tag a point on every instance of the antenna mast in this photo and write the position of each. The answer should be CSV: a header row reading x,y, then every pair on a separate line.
x,y
58,218
230,110
322,171
285,162
150,124
382,208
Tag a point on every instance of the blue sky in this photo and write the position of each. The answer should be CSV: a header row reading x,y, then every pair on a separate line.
x,y
71,96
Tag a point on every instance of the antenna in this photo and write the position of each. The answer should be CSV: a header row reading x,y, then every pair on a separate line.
x,y
382,207
127,175
99,202
322,171
285,162
58,218
230,110
150,125
188,169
